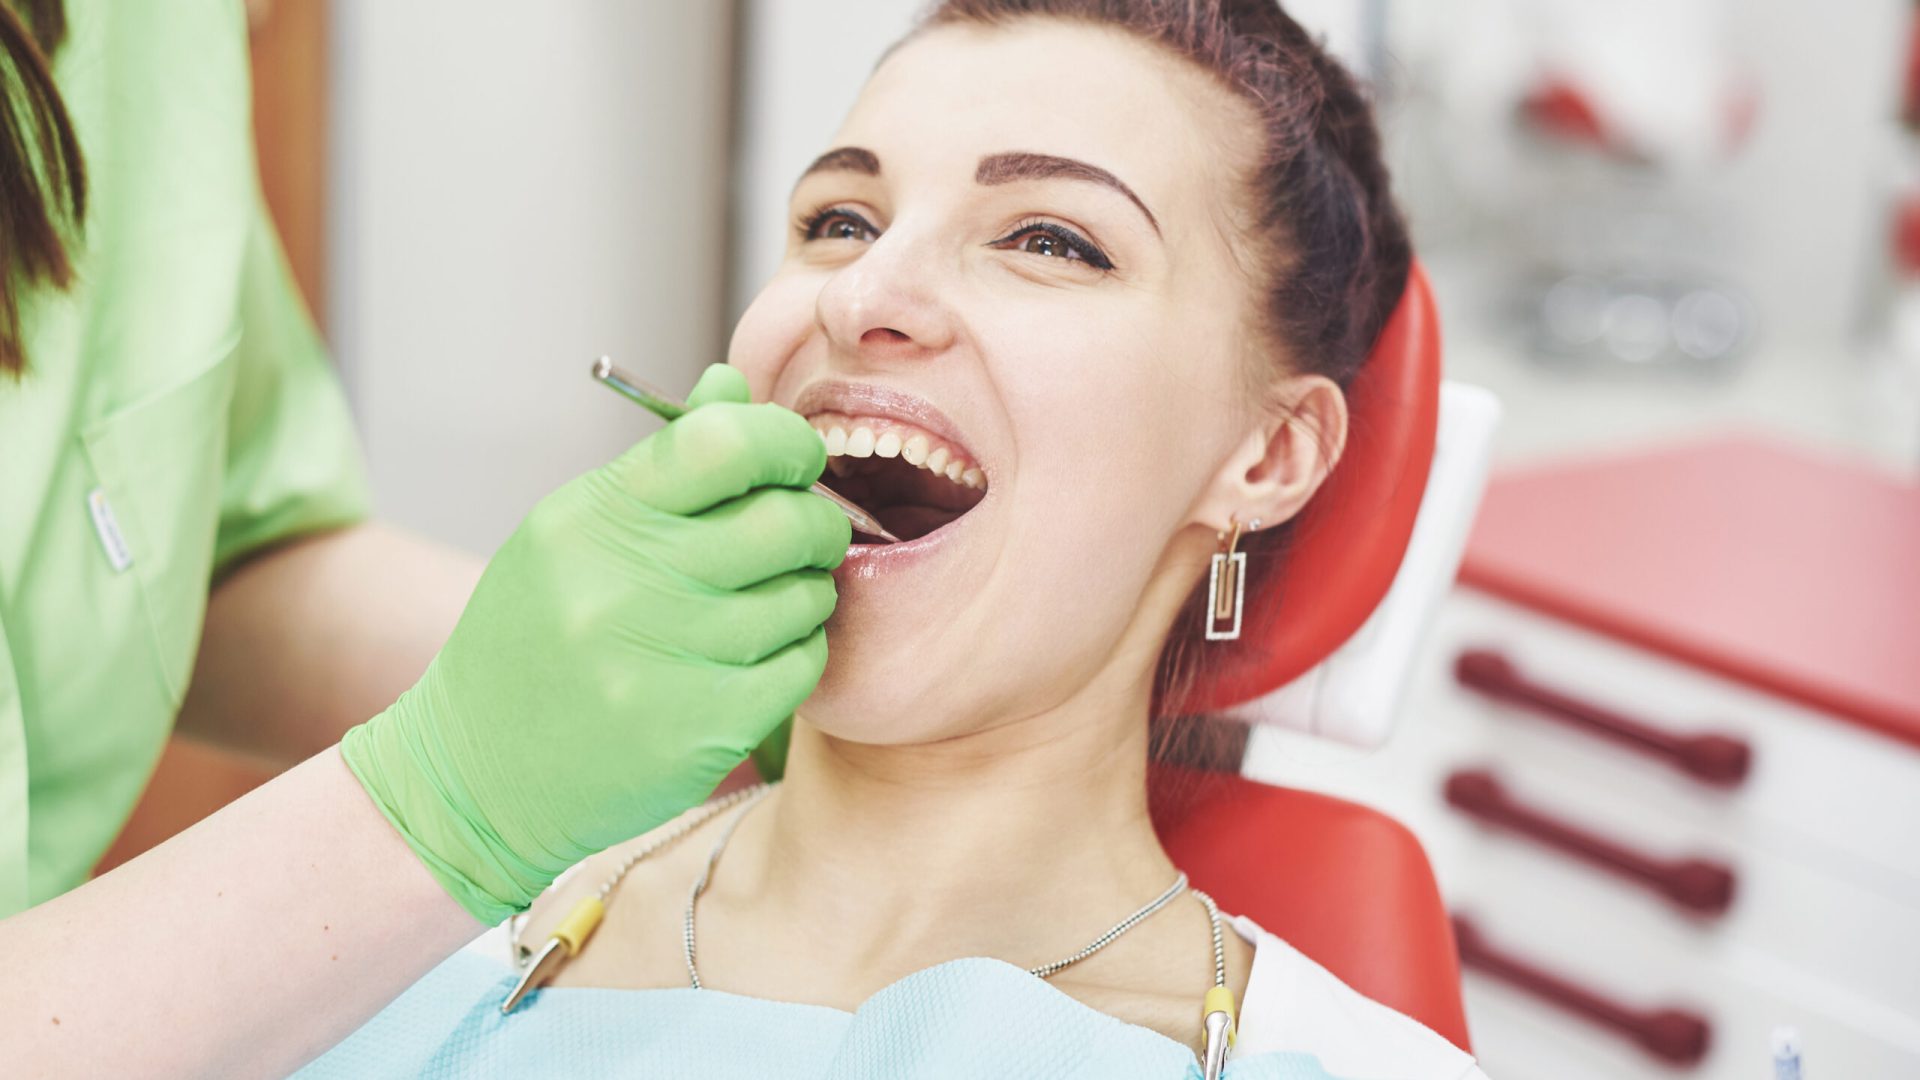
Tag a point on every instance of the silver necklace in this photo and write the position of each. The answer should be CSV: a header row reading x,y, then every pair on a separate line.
x,y
1219,1009
1044,971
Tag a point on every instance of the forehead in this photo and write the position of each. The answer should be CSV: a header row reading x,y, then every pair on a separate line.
x,y
957,93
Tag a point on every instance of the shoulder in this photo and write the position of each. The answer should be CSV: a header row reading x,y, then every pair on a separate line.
x,y
1294,1004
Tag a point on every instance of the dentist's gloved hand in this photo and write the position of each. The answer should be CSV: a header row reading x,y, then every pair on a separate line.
x,y
647,626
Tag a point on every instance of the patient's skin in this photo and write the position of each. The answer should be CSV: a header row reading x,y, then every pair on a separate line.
x,y
969,778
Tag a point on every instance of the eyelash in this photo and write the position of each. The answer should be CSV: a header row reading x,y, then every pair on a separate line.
x,y
809,228
1076,243
809,224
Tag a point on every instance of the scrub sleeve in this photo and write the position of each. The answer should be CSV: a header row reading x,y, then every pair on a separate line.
x,y
178,413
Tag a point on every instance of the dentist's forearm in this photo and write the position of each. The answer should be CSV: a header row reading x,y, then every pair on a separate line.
x,y
242,947
308,639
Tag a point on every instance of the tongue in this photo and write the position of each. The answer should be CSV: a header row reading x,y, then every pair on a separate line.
x,y
914,520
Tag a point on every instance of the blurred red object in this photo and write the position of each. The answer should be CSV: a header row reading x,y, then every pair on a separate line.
x,y
1567,112
1560,109
1906,235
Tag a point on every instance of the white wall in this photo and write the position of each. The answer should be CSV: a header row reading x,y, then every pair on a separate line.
x,y
517,188
802,64
1810,192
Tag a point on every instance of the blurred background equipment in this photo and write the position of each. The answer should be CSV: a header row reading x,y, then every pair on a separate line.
x,y
1665,754
1665,749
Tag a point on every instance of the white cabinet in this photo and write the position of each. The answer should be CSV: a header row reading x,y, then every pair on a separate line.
x,y
1823,932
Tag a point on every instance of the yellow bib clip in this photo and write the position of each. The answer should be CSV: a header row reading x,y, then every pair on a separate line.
x,y
1218,1013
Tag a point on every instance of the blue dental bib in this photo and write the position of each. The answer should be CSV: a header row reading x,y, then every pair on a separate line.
x,y
964,1018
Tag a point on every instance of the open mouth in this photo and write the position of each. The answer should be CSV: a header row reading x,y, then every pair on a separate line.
x,y
913,480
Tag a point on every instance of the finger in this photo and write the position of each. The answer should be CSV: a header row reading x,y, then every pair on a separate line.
x,y
721,451
720,382
749,625
777,685
761,535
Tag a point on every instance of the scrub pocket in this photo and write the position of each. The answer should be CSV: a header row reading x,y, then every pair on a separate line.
x,y
160,464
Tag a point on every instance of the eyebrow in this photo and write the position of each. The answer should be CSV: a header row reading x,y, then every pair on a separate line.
x,y
1007,168
845,159
1013,167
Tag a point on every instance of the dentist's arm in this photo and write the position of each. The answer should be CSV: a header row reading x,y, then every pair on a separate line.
x,y
647,626
242,947
305,640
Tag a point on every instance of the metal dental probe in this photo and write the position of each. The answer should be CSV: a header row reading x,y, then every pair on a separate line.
x,y
667,407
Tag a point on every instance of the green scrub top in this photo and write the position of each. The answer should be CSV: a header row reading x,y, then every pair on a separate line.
x,y
178,412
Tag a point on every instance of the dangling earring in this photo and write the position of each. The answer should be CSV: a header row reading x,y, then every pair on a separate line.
x,y
1227,585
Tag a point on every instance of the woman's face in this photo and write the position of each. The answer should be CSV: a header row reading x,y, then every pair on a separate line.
x,y
1013,263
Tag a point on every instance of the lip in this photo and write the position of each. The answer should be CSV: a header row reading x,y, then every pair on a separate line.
x,y
865,561
868,399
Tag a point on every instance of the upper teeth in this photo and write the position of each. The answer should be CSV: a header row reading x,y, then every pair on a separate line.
x,y
865,437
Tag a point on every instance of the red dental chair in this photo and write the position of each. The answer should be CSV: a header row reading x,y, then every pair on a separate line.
x,y
1347,885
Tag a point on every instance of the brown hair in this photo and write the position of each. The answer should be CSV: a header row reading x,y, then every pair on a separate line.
x,y
1330,240
43,182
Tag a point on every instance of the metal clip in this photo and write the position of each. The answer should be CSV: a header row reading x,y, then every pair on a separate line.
x,y
545,965
567,941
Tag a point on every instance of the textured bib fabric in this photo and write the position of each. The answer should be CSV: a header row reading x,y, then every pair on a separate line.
x,y
963,1018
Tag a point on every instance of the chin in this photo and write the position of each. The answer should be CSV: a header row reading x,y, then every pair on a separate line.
x,y
875,695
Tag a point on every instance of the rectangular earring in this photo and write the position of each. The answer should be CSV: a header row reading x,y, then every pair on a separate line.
x,y
1226,589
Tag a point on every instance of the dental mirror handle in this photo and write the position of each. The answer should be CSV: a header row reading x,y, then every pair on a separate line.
x,y
667,407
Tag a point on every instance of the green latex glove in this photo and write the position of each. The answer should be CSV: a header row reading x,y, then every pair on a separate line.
x,y
647,626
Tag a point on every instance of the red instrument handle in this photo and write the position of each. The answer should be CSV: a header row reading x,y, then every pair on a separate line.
x,y
1717,759
1703,885
1674,1035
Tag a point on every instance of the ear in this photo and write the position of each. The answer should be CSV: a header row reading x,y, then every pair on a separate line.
x,y
1282,461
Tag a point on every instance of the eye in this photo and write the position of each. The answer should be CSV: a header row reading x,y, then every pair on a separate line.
x,y
838,223
1048,240
1040,243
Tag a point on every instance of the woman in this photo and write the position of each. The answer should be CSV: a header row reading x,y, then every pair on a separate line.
x,y
181,504
1062,348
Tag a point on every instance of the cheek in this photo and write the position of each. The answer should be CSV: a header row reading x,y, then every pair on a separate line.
x,y
1112,451
1110,415
772,330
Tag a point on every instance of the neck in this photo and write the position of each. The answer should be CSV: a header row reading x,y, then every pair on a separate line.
x,y
1021,840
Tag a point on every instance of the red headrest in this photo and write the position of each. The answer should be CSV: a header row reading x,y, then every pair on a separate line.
x,y
1350,538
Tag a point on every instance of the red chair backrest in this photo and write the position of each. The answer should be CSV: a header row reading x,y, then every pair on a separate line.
x,y
1345,884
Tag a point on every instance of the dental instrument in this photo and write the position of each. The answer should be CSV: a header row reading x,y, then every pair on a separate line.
x,y
667,407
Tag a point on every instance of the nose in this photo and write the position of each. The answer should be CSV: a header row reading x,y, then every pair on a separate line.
x,y
884,306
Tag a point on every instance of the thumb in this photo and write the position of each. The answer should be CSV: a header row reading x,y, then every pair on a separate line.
x,y
720,382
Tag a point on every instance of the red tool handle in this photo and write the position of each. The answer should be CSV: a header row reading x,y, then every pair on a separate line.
x,y
1703,885
1674,1035
1713,758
